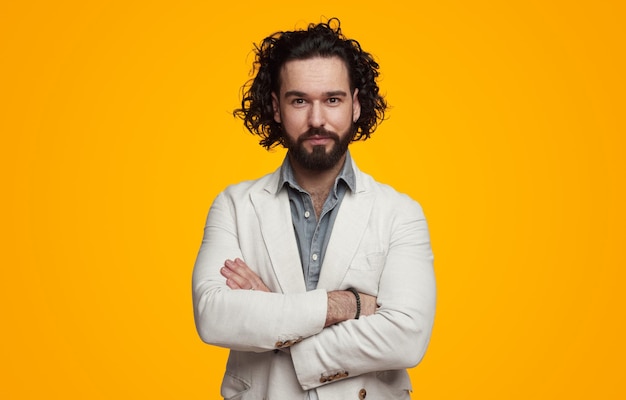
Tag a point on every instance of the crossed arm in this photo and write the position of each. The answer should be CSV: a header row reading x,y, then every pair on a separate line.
x,y
341,303
318,326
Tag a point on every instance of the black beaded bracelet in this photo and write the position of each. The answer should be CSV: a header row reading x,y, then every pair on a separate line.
x,y
358,302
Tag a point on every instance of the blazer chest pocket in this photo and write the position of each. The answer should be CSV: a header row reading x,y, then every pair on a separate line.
x,y
364,272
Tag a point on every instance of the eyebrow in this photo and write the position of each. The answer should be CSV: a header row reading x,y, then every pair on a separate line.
x,y
332,93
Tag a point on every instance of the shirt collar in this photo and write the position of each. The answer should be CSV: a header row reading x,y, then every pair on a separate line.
x,y
346,175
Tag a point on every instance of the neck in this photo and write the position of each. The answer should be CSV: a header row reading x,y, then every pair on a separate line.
x,y
316,182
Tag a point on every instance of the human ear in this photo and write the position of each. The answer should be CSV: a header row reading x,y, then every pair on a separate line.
x,y
356,106
275,106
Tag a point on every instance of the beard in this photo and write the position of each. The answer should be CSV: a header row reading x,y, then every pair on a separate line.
x,y
318,159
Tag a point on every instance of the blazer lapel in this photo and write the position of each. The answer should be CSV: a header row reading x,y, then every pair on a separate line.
x,y
353,217
274,214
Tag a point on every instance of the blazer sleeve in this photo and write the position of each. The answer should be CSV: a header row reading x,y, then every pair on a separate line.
x,y
397,335
246,320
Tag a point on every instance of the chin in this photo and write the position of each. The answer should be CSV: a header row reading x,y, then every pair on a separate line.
x,y
319,158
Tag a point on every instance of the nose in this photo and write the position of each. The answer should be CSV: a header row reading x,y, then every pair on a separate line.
x,y
316,115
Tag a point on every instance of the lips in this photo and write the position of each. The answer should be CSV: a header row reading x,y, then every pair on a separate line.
x,y
317,139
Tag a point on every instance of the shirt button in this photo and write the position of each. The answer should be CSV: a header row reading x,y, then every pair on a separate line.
x,y
307,214
314,257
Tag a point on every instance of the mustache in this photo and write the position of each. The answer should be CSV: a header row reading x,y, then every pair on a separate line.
x,y
320,132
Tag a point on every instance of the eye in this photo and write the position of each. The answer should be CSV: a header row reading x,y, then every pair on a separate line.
x,y
334,100
298,101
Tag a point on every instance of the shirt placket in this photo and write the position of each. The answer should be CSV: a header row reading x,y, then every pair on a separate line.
x,y
313,250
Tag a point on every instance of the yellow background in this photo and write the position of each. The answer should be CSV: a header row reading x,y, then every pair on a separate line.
x,y
507,126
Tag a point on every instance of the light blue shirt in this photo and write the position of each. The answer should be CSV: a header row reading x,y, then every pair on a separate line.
x,y
312,233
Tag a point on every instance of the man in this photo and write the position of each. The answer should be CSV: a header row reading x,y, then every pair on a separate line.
x,y
318,278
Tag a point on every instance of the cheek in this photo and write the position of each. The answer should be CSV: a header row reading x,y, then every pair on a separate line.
x,y
341,120
293,119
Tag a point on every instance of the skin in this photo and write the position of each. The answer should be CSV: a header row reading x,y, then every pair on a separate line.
x,y
314,94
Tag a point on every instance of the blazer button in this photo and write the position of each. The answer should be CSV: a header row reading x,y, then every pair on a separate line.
x,y
362,394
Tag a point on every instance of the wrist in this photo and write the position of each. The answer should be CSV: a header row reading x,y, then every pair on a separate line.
x,y
358,302
341,307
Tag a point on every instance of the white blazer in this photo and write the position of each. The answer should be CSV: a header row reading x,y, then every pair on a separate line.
x,y
279,348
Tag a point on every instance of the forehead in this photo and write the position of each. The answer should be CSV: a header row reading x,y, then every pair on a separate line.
x,y
318,74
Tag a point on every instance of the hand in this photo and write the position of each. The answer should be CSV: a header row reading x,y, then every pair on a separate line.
x,y
239,276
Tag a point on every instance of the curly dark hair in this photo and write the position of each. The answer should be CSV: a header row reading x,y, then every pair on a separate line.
x,y
323,40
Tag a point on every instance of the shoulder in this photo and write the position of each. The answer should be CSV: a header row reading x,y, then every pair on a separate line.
x,y
388,200
239,196
367,184
267,183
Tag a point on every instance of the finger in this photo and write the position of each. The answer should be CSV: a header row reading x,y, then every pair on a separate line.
x,y
232,284
227,273
255,280
242,269
234,280
244,276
